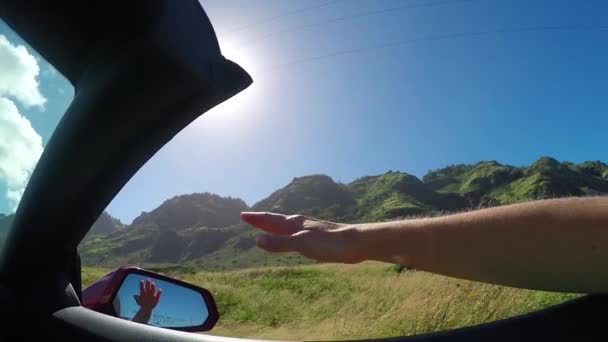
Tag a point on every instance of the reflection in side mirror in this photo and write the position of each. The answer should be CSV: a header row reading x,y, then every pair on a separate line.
x,y
145,297
160,303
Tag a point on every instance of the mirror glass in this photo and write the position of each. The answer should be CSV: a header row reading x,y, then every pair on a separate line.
x,y
160,303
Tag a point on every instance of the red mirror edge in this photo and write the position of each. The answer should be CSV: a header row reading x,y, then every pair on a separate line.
x,y
100,295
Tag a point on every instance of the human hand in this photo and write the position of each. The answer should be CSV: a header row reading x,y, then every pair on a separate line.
x,y
313,238
148,296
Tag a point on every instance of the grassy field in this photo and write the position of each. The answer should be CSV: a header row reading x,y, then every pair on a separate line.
x,y
350,301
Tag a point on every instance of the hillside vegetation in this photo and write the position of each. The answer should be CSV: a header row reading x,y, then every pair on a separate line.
x,y
204,229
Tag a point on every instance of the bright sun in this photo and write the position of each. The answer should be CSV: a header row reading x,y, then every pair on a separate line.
x,y
241,112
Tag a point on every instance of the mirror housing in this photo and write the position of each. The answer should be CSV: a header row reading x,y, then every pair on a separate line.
x,y
102,295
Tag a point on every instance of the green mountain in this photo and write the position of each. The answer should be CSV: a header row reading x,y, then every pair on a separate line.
x,y
105,225
194,210
397,194
182,228
315,195
205,229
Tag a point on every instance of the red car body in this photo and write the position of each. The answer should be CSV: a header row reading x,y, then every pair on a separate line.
x,y
98,296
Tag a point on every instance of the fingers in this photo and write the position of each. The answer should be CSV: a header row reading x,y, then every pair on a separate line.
x,y
157,295
142,287
274,223
277,243
149,286
152,287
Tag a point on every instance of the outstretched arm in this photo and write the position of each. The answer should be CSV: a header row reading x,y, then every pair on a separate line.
x,y
554,245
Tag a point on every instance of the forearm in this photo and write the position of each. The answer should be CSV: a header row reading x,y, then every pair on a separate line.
x,y
558,245
142,316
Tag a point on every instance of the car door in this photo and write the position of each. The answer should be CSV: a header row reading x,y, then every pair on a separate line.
x,y
142,71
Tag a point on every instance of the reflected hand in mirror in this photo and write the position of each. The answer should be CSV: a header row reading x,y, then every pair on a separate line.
x,y
161,302
147,300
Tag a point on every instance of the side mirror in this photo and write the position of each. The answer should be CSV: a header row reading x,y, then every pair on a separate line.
x,y
146,297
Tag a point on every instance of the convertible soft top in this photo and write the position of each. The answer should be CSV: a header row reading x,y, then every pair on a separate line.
x,y
142,71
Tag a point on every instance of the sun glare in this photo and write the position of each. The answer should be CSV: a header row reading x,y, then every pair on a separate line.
x,y
238,113
242,103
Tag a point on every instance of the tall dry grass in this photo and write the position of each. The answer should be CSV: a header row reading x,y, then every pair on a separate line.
x,y
333,301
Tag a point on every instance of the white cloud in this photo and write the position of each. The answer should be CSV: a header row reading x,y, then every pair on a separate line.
x,y
20,149
19,71
20,145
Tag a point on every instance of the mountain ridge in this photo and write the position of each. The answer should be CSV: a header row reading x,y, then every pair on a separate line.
x,y
205,229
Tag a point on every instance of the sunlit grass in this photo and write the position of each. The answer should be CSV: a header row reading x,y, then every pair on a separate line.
x,y
351,301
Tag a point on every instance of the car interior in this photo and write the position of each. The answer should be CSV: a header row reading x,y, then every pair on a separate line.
x,y
138,83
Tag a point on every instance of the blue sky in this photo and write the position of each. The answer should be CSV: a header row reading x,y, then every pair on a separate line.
x,y
510,96
33,97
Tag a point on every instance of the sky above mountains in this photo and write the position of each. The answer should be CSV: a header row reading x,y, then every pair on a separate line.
x,y
352,88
